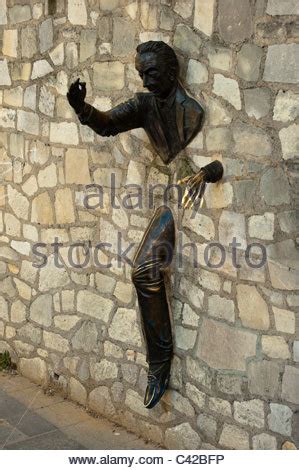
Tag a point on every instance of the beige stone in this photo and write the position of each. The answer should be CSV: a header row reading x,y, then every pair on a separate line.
x,y
64,133
42,210
13,97
12,225
64,207
182,437
234,346
47,177
18,312
77,391
108,76
252,307
94,305
284,320
250,413
99,400
76,166
124,327
103,370
56,342
18,203
204,16
35,369
275,347
233,437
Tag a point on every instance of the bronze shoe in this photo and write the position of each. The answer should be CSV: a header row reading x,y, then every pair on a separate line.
x,y
158,380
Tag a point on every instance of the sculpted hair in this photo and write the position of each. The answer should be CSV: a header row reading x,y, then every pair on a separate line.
x,y
166,53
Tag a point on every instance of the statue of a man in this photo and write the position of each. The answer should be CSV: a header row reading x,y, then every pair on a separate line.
x,y
171,120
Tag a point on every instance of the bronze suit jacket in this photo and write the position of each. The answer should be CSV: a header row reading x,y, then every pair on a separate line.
x,y
143,111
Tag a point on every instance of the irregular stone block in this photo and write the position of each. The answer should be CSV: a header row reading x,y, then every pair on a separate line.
x,y
86,337
129,332
182,437
183,8
4,73
252,308
198,372
228,89
10,41
257,102
234,20
94,305
229,384
220,406
64,133
103,370
56,342
284,320
204,16
282,63
233,437
290,385
99,400
261,226
218,139
250,413
263,378
3,12
124,32
108,75
46,35
286,106
222,308
280,419
275,347
41,310
3,309
19,13
251,141
76,166
234,346
232,225
77,13
197,73
35,369
287,7
272,179
220,58
289,138
40,69
249,61
179,403
186,40
77,391
264,441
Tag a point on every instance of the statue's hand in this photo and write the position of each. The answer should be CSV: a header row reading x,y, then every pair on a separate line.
x,y
76,95
194,190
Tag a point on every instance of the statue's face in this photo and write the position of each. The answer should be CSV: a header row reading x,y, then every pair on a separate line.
x,y
154,74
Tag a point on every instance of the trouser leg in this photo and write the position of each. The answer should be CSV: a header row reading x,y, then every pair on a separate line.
x,y
153,256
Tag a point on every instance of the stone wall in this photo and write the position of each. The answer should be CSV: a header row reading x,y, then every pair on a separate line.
x,y
235,375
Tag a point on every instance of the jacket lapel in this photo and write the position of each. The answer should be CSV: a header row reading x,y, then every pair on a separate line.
x,y
180,113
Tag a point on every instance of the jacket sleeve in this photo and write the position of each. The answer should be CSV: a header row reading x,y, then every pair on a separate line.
x,y
122,118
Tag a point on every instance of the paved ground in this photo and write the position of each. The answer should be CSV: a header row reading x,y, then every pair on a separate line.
x,y
31,419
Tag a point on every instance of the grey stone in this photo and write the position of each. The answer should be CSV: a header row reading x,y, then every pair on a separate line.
x,y
108,75
71,55
286,7
233,437
130,373
280,419
249,61
88,40
124,32
19,13
296,351
282,63
284,320
252,307
103,370
77,391
290,385
234,345
228,89
166,19
289,221
272,179
232,225
257,102
41,310
286,106
185,338
264,441
289,138
179,403
197,73
56,342
246,193
229,384
3,309
86,337
275,347
40,69
251,141
198,372
234,20
28,42
195,395
222,308
30,97
31,333
46,35
3,12
218,139
46,101
263,378
220,406
182,437
104,27
135,402
186,40
207,426
218,114
94,305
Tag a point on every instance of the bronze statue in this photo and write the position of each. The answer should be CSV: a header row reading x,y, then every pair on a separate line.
x,y
171,120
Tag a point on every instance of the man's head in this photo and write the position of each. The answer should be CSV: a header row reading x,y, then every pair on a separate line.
x,y
158,67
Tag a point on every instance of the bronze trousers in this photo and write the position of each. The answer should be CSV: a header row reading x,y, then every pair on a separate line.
x,y
152,258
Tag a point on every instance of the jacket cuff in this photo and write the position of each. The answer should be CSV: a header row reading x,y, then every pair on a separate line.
x,y
85,114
